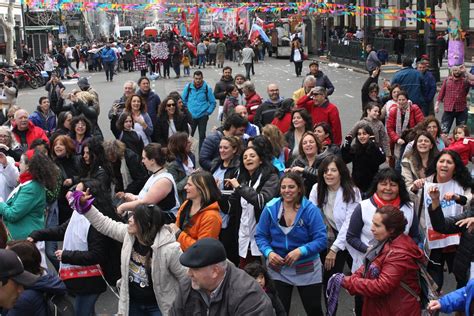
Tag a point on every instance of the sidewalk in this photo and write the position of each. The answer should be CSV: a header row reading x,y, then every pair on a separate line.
x,y
389,68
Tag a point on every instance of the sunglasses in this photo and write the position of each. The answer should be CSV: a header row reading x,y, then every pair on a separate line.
x,y
170,105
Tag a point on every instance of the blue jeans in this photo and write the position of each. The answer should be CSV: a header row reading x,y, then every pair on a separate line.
x,y
202,60
200,123
448,119
69,65
136,309
84,305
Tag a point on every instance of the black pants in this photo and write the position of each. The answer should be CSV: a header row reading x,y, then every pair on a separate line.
x,y
437,270
143,72
341,259
310,296
109,70
200,123
166,69
248,66
298,67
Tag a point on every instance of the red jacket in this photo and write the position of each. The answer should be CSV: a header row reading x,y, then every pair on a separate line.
x,y
284,123
464,147
381,289
252,103
327,112
34,132
416,116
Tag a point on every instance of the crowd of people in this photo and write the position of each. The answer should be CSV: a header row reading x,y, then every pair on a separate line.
x,y
264,204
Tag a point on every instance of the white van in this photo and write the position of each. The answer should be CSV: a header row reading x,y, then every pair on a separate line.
x,y
126,31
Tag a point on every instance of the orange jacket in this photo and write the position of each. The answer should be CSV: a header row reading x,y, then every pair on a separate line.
x,y
205,223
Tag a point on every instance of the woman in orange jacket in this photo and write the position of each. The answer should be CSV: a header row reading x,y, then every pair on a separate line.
x,y
198,217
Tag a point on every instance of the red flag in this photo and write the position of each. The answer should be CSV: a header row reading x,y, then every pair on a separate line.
x,y
175,30
194,28
183,18
219,32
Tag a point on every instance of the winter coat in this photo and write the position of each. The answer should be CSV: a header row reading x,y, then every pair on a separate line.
x,y
379,280
464,147
98,253
108,55
198,102
137,171
32,300
229,105
161,128
252,102
372,61
465,251
380,132
179,175
210,149
152,102
362,172
459,300
310,173
308,233
284,123
266,112
220,90
32,133
46,122
132,141
327,112
429,83
206,223
24,211
416,116
54,96
239,294
412,82
91,113
166,271
323,81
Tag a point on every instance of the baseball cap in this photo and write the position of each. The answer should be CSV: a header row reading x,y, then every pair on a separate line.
x,y
83,83
203,253
11,267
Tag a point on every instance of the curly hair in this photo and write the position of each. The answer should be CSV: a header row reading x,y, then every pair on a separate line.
x,y
393,219
162,108
43,169
128,104
75,121
97,157
67,142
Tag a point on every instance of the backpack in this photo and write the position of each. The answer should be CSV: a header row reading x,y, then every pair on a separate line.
x,y
189,89
59,305
429,288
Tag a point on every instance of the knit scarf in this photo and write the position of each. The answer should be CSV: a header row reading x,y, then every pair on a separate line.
x,y
401,126
25,177
332,292
379,202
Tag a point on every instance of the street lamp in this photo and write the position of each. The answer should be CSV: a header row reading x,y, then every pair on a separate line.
x,y
431,47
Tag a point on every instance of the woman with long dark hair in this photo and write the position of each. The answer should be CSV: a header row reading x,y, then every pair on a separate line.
x,y
64,125
365,150
143,124
80,132
94,163
169,121
301,122
336,196
324,133
291,234
150,269
307,163
453,181
282,118
127,134
256,184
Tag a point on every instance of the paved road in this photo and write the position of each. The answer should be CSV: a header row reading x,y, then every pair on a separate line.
x,y
346,96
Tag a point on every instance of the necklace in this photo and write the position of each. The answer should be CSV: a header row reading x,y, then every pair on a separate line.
x,y
158,170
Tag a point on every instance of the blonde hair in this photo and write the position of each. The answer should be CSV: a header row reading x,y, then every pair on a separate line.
x,y
276,138
85,96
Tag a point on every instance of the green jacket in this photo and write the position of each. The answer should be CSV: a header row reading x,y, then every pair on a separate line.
x,y
24,211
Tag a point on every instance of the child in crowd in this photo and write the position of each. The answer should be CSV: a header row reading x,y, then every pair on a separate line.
x,y
260,274
462,143
186,65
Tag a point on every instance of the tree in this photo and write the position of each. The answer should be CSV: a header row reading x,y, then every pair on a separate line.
x,y
8,25
456,45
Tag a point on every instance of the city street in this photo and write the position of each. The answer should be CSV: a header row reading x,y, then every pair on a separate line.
x,y
280,71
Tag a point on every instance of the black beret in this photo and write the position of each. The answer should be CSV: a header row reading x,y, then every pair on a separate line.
x,y
203,253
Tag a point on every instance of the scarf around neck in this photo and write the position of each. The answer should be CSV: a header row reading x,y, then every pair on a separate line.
x,y
401,126
379,202
25,177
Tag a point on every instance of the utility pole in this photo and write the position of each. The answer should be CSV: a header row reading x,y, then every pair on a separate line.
x,y
432,47
420,28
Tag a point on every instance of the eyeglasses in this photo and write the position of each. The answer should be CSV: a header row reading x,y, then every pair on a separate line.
x,y
170,105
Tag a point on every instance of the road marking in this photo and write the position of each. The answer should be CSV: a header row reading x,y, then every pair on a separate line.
x,y
348,95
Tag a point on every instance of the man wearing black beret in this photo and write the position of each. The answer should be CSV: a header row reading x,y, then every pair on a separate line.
x,y
216,287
